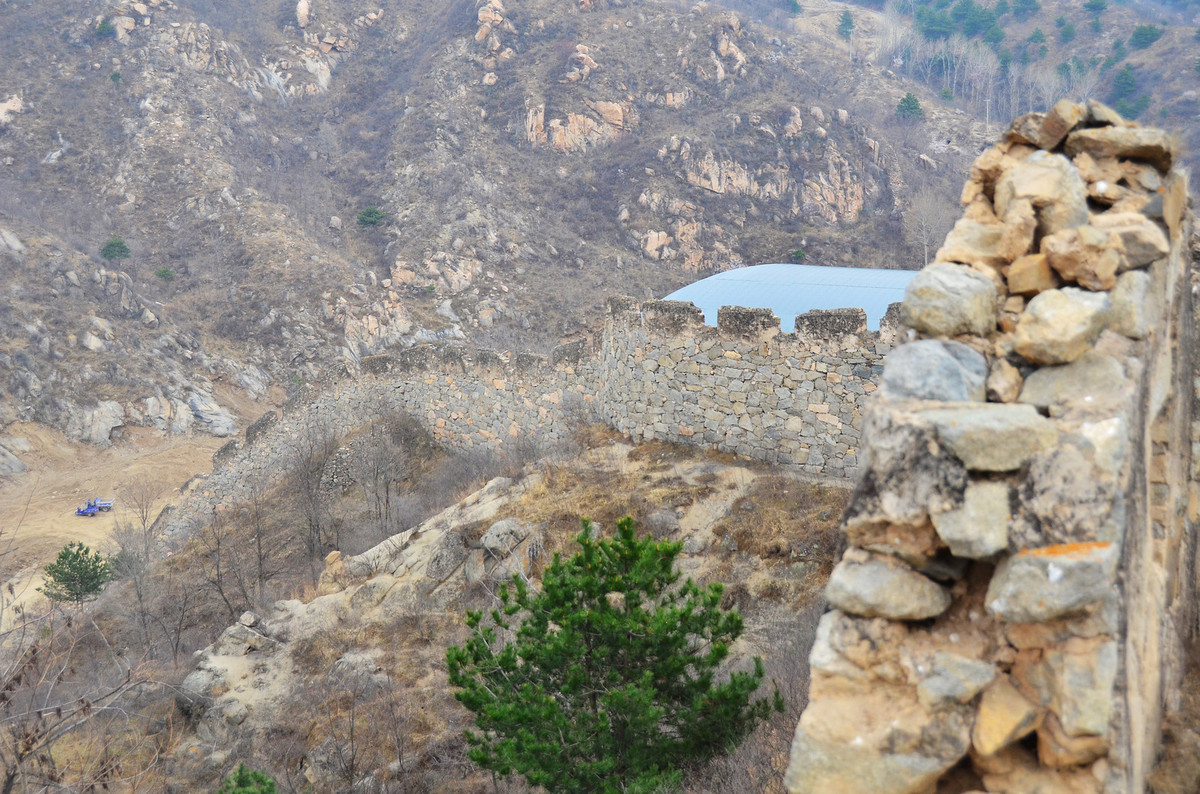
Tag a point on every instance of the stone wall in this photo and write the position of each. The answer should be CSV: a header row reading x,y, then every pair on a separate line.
x,y
660,373
743,387
1019,577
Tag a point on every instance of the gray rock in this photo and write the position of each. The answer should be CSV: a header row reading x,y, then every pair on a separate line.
x,y
10,463
932,369
980,528
947,300
1048,583
995,436
1081,687
210,415
240,640
11,242
1133,307
503,536
96,425
1142,239
1071,493
953,679
1092,375
1060,325
875,586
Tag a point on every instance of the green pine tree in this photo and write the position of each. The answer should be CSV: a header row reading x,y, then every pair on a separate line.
x,y
115,248
605,680
245,780
909,108
77,574
846,26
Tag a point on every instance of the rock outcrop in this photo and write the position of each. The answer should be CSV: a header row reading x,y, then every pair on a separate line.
x,y
1018,560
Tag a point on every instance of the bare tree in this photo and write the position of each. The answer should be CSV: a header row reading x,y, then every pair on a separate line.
x,y
378,463
312,449
927,219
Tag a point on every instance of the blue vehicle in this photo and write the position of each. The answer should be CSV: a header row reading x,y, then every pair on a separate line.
x,y
89,510
104,505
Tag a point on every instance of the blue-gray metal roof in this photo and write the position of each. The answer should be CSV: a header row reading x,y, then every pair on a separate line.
x,y
788,290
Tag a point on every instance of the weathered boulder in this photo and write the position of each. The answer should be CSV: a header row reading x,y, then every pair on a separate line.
x,y
1060,325
1088,377
1052,184
947,300
953,679
1080,678
993,437
1084,255
9,463
872,586
1142,241
979,528
1047,583
932,369
1134,143
210,415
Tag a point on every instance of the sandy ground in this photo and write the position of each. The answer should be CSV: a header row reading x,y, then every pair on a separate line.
x,y
37,508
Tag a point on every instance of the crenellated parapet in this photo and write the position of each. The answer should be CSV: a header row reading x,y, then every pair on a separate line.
x,y
1020,571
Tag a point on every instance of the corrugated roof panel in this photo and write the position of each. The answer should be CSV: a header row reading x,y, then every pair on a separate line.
x,y
789,290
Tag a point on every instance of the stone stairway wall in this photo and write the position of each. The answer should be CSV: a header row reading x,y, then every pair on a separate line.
x,y
1010,610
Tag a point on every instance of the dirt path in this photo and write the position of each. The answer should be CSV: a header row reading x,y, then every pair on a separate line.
x,y
37,508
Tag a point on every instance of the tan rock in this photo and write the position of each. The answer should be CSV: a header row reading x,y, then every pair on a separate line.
x,y
1026,129
1081,678
611,112
1060,325
302,10
1154,146
1062,118
1058,750
1028,275
1010,313
1101,115
1133,305
1004,382
1054,187
1085,255
1142,240
979,529
1005,716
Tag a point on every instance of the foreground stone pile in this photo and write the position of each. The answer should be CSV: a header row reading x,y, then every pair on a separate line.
x,y
1008,612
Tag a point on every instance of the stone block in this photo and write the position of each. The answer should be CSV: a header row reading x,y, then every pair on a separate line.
x,y
1154,146
993,437
1043,584
946,300
979,529
1051,183
1084,255
1142,240
877,586
1081,678
1093,375
1133,306
1005,716
1028,275
953,679
1060,325
931,369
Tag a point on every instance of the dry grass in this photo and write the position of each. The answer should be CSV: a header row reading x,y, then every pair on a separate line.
x,y
788,518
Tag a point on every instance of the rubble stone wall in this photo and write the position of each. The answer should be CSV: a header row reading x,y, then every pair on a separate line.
x,y
660,373
1019,577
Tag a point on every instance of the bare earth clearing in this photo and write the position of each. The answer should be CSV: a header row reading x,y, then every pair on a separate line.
x,y
37,508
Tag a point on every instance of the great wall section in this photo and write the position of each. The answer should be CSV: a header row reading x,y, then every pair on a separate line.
x,y
1020,579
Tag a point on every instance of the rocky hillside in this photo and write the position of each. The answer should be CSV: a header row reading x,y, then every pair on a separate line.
x,y
531,159
348,690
